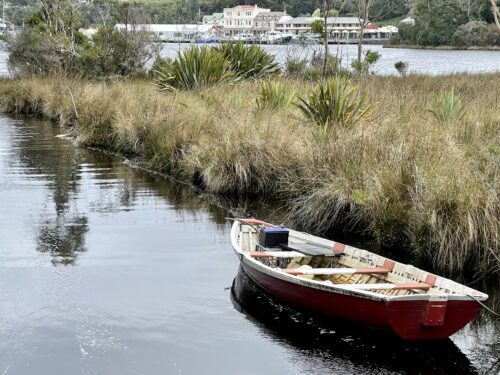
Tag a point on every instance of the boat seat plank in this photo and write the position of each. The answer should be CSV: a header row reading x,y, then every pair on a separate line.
x,y
310,249
397,286
335,271
276,254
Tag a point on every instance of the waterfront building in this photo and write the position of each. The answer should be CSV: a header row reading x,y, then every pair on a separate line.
x,y
373,32
241,19
173,32
215,19
266,21
299,25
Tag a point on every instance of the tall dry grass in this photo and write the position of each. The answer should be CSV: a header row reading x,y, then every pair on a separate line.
x,y
398,175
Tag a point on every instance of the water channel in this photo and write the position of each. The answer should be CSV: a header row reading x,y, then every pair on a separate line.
x,y
107,269
434,62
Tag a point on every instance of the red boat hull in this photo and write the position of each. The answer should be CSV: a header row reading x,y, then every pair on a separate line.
x,y
410,319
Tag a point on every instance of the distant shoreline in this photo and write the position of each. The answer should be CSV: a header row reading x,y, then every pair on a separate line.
x,y
444,48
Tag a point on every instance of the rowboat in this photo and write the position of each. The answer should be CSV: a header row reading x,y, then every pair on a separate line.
x,y
345,282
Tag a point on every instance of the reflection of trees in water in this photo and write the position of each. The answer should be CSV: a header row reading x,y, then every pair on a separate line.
x,y
62,229
62,239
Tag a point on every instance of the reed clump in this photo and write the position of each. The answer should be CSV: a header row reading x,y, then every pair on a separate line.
x,y
398,174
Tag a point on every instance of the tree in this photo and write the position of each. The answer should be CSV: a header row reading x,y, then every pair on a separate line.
x,y
317,27
326,8
364,14
116,53
496,12
473,33
49,42
435,22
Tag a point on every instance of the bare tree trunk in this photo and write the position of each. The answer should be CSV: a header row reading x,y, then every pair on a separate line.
x,y
326,8
364,11
496,12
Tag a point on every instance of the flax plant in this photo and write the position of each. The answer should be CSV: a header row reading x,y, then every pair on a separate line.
x,y
274,95
334,103
447,108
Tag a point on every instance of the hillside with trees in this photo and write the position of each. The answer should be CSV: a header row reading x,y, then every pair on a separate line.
x,y
190,11
452,22
437,22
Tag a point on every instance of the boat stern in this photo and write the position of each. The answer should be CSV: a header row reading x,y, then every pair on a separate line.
x,y
435,318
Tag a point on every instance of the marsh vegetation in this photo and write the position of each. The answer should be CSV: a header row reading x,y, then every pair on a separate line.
x,y
420,172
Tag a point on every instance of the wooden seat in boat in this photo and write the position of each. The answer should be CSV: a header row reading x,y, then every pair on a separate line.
x,y
336,271
310,249
388,286
276,254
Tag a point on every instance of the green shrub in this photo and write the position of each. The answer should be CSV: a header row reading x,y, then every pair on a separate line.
x,y
402,67
193,68
248,62
334,103
116,53
295,67
274,95
477,33
364,66
447,108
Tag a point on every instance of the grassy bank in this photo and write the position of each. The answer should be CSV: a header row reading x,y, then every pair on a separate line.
x,y
398,175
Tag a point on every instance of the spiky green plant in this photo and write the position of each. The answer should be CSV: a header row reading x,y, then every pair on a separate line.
x,y
334,103
274,95
193,68
249,62
447,108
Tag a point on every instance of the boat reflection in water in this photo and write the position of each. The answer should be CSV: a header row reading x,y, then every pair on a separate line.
x,y
341,343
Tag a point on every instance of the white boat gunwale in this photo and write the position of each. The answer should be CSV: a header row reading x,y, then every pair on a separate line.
x,y
346,289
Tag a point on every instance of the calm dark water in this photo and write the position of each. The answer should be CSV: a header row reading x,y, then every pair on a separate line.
x,y
105,269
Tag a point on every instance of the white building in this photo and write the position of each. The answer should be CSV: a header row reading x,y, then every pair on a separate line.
x,y
380,33
266,21
172,33
216,19
241,18
299,25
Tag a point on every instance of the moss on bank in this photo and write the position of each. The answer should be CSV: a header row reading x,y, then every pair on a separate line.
x,y
399,175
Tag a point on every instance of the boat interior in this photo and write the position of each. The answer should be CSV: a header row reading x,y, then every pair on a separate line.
x,y
331,263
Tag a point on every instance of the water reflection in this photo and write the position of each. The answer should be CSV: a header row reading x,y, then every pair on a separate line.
x,y
79,180
61,231
322,340
63,238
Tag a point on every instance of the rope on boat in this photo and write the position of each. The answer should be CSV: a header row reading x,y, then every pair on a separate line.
x,y
483,305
